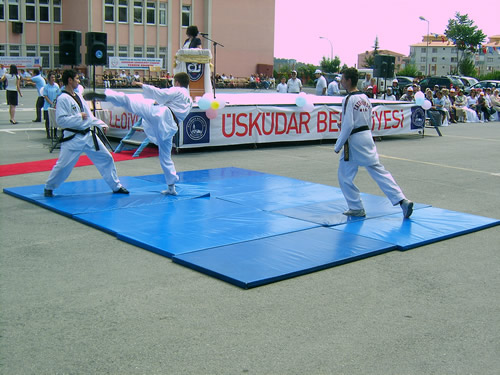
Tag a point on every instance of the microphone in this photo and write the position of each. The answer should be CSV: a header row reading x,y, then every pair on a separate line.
x,y
204,34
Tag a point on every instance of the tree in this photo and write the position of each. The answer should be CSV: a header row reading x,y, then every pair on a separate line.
x,y
410,70
370,58
465,35
467,67
375,46
329,65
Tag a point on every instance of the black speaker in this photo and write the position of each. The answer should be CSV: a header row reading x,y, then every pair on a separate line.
x,y
17,27
69,47
384,66
97,48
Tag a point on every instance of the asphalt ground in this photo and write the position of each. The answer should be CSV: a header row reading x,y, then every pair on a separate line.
x,y
75,300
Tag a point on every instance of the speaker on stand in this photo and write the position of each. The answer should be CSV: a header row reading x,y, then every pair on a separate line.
x,y
97,52
69,47
384,67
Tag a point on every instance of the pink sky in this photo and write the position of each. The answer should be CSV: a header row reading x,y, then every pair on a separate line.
x,y
352,26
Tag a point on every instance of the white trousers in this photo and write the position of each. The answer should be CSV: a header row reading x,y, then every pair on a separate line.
x,y
347,172
102,159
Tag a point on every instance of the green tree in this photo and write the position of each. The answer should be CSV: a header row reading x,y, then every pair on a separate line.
x,y
466,36
410,70
306,73
329,65
369,61
375,46
467,67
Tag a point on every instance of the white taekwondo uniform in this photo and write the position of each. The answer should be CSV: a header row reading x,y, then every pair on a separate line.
x,y
362,153
157,120
68,116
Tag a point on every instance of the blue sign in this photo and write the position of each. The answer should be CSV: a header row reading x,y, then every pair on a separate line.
x,y
194,71
417,117
196,128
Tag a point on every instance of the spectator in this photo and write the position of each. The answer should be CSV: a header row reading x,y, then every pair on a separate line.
x,y
482,107
13,88
448,105
282,87
50,92
294,84
408,96
25,77
3,71
373,84
369,92
105,80
389,95
495,102
366,82
333,87
438,105
137,77
320,83
39,84
460,105
472,101
395,88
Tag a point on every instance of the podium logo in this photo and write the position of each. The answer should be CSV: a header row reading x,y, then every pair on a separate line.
x,y
194,71
417,117
196,128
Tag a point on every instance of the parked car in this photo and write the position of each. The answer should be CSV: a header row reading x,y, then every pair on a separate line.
x,y
468,81
442,81
483,85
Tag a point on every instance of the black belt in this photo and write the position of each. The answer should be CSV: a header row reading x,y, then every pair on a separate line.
x,y
346,144
96,133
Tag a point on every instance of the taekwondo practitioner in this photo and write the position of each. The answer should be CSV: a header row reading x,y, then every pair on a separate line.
x,y
81,133
359,151
160,122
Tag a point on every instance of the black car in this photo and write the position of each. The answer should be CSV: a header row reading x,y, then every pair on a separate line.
x,y
443,81
484,84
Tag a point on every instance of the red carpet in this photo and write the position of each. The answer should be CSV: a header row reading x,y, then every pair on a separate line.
x,y
46,165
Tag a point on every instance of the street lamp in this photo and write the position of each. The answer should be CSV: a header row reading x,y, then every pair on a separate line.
x,y
331,46
427,49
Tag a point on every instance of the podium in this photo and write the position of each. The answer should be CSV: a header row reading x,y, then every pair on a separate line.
x,y
196,63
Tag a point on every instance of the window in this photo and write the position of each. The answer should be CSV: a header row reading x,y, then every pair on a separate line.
x,y
137,51
30,10
138,11
109,11
434,50
2,10
123,11
434,59
489,59
57,10
186,15
44,10
123,51
453,59
14,10
56,56
111,51
163,54
454,50
423,59
150,13
45,55
423,50
31,50
422,68
162,14
151,52
14,50
2,50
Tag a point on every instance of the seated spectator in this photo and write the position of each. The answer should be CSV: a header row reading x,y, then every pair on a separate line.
x,y
369,92
472,101
448,105
282,87
483,108
123,78
408,96
388,95
395,89
137,77
460,106
495,102
105,80
438,105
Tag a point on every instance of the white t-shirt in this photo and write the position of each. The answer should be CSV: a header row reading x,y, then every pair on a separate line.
x,y
333,88
320,85
294,85
282,88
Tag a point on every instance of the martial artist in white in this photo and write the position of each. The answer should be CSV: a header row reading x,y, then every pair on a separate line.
x,y
362,152
158,120
69,115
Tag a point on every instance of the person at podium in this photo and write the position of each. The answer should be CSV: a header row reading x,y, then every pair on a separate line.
x,y
192,41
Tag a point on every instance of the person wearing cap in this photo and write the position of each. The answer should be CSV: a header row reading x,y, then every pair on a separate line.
x,y
495,102
333,87
388,95
395,88
359,150
369,92
459,106
408,96
294,84
482,107
436,89
320,83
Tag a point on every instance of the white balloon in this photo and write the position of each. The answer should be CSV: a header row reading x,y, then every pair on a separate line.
x,y
427,105
419,94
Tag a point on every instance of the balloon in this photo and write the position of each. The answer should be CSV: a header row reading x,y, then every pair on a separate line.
x,y
204,104
419,101
427,105
302,93
300,101
222,104
208,95
419,94
309,107
215,104
211,113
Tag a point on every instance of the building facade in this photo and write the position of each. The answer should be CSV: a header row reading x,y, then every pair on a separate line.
x,y
436,55
143,28
400,59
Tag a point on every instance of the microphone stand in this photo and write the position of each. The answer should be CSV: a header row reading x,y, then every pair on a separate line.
x,y
215,57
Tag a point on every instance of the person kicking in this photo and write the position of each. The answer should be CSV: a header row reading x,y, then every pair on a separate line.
x,y
359,151
160,122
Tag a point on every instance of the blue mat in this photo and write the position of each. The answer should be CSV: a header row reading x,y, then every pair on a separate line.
x,y
247,227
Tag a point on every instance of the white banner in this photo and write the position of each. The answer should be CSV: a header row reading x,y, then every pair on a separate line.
x,y
140,63
22,62
262,124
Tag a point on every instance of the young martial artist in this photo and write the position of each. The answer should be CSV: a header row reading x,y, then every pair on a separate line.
x,y
159,121
79,135
359,150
